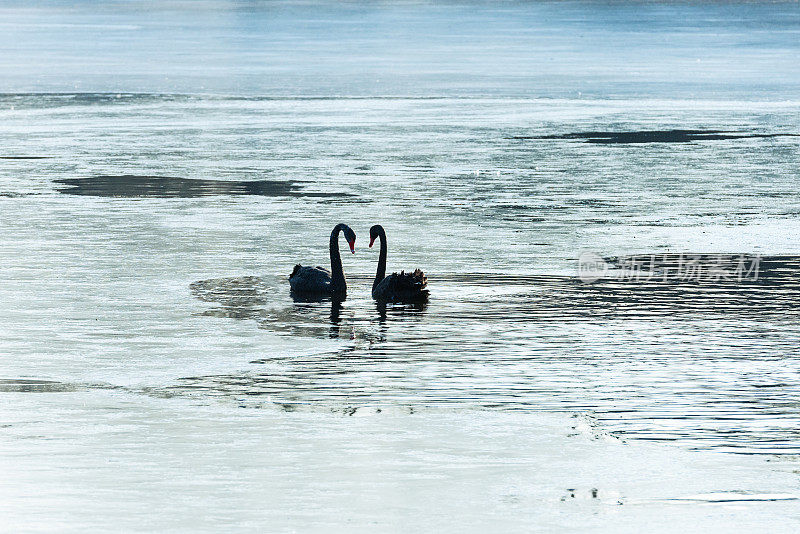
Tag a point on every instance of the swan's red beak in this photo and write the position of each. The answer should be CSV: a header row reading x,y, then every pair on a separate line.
x,y
352,246
371,241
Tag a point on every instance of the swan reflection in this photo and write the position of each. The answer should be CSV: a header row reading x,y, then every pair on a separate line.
x,y
385,309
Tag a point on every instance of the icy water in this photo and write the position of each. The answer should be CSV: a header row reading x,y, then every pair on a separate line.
x,y
157,375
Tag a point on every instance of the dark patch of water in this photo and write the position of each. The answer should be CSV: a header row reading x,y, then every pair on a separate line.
x,y
25,385
57,100
656,136
133,186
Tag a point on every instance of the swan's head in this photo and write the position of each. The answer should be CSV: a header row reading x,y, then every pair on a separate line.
x,y
374,232
350,236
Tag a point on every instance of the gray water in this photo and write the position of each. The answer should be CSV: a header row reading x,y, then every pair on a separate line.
x,y
163,169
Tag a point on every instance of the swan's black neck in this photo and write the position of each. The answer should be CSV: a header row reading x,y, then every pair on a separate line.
x,y
381,274
338,283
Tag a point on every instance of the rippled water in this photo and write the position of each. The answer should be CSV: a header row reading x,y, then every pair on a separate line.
x,y
150,347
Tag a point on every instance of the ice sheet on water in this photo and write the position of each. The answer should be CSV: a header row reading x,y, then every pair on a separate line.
x,y
360,471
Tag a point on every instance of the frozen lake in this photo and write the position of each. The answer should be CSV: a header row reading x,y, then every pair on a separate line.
x,y
163,169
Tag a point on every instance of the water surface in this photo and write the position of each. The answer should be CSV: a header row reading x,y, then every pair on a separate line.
x,y
157,375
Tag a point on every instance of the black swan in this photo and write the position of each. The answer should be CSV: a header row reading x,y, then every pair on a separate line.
x,y
403,287
316,281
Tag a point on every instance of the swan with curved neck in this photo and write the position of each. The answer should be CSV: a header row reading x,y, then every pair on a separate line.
x,y
316,281
403,287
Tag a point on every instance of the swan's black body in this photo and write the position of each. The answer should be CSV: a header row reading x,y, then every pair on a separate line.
x,y
402,287
316,281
